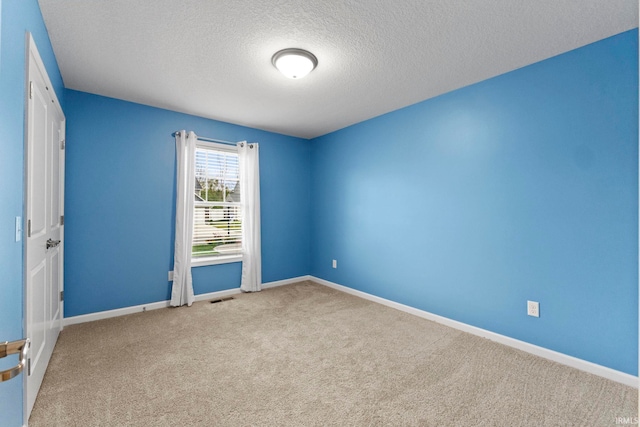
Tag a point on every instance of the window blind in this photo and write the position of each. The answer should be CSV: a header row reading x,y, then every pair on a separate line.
x,y
217,227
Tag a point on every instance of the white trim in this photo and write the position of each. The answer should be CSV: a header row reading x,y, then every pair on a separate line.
x,y
204,261
555,356
216,146
207,148
114,313
163,304
286,281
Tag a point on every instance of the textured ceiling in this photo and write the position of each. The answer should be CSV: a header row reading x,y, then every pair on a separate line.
x,y
212,58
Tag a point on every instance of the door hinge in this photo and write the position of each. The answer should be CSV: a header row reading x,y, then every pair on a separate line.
x,y
31,90
61,295
29,367
29,228
61,219
62,144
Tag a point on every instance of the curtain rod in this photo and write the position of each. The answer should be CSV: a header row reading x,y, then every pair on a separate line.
x,y
200,138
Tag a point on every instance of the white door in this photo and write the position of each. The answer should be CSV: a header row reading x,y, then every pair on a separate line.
x,y
44,212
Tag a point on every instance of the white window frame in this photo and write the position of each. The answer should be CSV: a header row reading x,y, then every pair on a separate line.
x,y
214,259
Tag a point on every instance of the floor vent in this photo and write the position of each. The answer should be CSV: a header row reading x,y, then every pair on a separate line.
x,y
220,300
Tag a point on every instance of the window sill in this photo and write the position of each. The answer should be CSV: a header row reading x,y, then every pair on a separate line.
x,y
225,259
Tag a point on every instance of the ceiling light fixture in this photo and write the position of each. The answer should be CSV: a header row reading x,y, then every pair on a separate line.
x,y
294,63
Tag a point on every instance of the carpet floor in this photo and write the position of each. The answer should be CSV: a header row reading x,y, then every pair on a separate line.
x,y
308,355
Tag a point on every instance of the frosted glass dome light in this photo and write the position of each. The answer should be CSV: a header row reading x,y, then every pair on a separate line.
x,y
294,63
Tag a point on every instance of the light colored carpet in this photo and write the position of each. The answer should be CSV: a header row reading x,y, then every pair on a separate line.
x,y
308,355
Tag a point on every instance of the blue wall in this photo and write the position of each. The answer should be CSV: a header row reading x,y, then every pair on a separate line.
x,y
120,203
17,18
521,187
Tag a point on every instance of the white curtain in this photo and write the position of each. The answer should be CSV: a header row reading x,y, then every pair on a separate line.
x,y
248,156
182,291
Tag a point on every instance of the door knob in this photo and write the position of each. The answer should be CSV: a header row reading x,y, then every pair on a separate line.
x,y
52,243
7,348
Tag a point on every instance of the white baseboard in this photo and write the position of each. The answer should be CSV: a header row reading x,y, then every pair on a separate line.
x,y
113,313
164,304
555,356
286,282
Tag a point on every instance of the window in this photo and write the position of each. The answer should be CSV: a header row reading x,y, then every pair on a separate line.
x,y
217,228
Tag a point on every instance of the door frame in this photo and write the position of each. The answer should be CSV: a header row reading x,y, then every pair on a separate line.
x,y
31,50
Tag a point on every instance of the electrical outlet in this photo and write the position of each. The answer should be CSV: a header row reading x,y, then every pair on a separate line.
x,y
335,264
171,276
533,308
